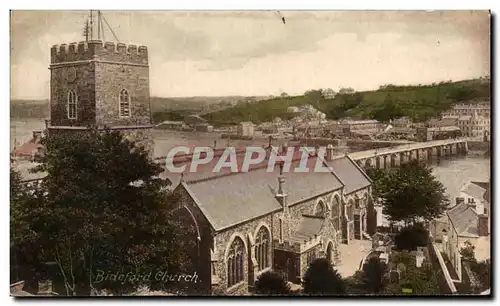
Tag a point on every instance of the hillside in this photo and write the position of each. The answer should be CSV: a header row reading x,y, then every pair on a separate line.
x,y
163,108
419,102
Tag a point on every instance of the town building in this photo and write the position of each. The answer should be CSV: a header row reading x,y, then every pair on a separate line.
x,y
474,125
30,149
482,108
360,127
437,133
246,129
469,221
255,221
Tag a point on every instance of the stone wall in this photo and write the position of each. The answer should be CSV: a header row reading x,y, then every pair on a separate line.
x,y
84,87
110,80
223,241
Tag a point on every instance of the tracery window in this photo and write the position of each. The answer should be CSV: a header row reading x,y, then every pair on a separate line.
x,y
262,248
235,262
124,103
72,105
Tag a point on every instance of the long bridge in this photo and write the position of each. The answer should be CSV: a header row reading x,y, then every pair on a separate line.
x,y
397,155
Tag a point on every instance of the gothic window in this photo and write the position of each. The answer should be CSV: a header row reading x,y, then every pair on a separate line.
x,y
262,248
320,209
124,103
356,203
72,104
350,214
235,263
311,256
281,230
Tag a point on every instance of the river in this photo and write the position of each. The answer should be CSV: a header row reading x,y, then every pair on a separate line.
x,y
452,173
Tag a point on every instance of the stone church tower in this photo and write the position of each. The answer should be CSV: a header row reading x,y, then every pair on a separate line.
x,y
101,84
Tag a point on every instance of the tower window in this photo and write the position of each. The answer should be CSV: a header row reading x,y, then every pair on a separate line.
x,y
72,104
124,103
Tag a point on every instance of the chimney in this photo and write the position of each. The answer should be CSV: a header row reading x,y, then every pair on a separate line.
x,y
270,141
482,225
471,203
37,136
459,200
215,144
329,152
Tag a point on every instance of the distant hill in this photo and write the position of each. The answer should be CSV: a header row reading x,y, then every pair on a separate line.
x,y
420,102
39,109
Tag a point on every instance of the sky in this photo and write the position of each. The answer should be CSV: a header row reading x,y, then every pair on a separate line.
x,y
252,53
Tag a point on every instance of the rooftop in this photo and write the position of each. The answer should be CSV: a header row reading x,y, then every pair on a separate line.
x,y
233,198
309,227
464,220
476,190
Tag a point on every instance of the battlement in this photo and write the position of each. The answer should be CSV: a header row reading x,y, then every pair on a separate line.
x,y
99,50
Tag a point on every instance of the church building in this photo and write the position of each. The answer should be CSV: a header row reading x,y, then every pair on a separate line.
x,y
251,222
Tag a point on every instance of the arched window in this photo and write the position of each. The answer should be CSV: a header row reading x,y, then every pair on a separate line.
x,y
262,248
235,262
281,230
320,209
72,105
124,103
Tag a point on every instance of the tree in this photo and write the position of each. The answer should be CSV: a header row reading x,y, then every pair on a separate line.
x,y
271,283
410,192
411,237
284,95
102,208
321,279
346,91
467,251
373,275
481,269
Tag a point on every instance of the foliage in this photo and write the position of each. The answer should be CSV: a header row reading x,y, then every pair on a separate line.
x,y
481,269
421,281
409,192
321,279
102,209
482,272
467,251
420,103
411,237
171,115
272,283
373,275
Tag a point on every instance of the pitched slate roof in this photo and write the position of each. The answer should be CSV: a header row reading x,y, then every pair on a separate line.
x,y
309,227
463,219
349,173
235,198
476,190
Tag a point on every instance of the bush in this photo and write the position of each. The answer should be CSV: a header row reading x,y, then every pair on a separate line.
x,y
322,279
271,283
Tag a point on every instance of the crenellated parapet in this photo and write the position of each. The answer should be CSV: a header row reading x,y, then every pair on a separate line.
x,y
99,50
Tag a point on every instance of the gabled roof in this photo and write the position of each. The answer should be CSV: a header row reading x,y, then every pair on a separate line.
x,y
464,220
476,190
234,198
349,173
309,227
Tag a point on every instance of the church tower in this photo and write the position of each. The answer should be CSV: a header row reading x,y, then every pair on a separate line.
x,y
102,84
